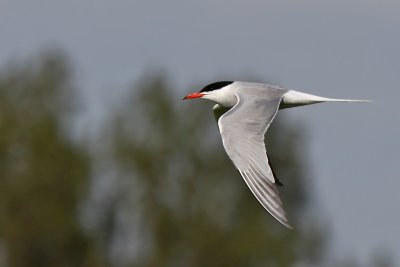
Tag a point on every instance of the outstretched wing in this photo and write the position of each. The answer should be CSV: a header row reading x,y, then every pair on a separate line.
x,y
242,129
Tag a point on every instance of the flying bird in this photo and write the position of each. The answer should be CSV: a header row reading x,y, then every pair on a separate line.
x,y
244,112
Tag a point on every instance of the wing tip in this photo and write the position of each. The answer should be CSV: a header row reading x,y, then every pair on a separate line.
x,y
286,224
278,214
283,220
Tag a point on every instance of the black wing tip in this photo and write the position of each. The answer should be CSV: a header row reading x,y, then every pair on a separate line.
x,y
277,182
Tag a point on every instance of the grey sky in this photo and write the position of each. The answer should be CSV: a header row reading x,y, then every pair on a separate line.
x,y
341,48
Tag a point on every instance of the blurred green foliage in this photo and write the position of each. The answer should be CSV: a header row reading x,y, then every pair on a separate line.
x,y
177,191
43,176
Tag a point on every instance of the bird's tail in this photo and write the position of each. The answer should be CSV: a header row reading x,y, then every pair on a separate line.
x,y
295,99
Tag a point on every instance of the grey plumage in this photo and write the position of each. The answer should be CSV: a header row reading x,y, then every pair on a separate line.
x,y
244,112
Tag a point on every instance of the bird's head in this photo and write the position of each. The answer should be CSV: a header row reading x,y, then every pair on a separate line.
x,y
214,91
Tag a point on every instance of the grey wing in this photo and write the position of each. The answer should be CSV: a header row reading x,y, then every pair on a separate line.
x,y
242,129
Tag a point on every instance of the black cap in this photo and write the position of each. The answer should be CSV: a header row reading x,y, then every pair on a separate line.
x,y
215,86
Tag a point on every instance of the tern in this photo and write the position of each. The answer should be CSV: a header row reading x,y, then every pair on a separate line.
x,y
244,112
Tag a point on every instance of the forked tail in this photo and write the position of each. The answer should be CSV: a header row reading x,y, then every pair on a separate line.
x,y
295,99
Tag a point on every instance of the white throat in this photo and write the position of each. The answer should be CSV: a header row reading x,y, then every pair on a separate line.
x,y
224,96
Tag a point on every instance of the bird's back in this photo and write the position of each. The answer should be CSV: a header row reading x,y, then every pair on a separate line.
x,y
259,90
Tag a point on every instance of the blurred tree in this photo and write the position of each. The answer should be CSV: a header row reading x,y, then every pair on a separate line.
x,y
191,206
42,174
176,198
